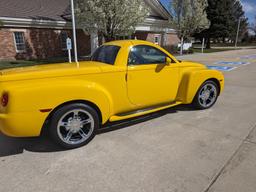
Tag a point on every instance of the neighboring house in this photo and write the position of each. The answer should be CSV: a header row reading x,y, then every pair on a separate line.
x,y
38,29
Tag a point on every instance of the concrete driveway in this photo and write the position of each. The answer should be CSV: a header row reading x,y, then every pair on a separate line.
x,y
176,150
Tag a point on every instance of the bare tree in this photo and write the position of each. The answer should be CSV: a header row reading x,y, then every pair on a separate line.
x,y
189,17
254,25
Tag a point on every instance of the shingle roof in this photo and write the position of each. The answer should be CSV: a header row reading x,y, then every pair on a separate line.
x,y
35,9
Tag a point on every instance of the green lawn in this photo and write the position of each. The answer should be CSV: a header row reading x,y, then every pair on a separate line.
x,y
199,50
232,44
23,63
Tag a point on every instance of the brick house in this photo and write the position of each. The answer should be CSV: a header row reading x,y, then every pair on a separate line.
x,y
37,29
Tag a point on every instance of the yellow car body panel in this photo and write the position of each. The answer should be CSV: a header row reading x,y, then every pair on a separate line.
x,y
36,92
157,76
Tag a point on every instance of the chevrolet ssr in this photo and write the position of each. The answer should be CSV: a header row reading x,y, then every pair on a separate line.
x,y
124,79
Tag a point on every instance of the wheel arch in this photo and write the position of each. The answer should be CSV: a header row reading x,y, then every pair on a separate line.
x,y
215,81
196,103
209,79
86,102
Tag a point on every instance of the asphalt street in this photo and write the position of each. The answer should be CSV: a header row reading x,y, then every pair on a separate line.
x,y
175,150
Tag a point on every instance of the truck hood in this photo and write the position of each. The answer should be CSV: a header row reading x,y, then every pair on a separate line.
x,y
50,70
192,64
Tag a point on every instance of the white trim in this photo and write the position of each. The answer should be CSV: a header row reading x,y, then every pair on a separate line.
x,y
28,23
158,7
157,21
155,25
36,23
22,19
18,30
154,28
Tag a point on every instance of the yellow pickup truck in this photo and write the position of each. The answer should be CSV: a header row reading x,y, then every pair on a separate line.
x,y
123,80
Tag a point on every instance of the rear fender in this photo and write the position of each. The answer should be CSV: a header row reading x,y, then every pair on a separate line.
x,y
37,96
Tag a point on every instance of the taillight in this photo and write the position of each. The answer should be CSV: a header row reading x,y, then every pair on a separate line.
x,y
4,99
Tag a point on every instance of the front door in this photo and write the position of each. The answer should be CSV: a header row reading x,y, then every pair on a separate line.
x,y
150,81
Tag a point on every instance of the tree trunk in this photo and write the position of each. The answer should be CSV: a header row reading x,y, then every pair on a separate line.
x,y
101,39
224,39
208,43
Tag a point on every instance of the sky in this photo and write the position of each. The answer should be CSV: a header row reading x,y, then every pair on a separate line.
x,y
249,7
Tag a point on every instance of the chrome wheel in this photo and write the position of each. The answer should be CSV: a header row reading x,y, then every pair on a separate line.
x,y
75,126
207,95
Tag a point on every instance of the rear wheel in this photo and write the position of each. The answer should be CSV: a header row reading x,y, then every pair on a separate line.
x,y
207,95
74,125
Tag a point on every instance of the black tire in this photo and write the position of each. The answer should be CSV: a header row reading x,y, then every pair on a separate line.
x,y
198,100
74,125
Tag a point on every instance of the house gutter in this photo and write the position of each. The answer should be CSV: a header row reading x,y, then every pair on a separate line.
x,y
34,23
149,23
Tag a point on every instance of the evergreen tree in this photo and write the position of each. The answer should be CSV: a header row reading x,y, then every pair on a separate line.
x,y
221,16
224,17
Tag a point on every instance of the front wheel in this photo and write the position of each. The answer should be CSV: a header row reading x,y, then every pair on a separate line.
x,y
74,125
206,96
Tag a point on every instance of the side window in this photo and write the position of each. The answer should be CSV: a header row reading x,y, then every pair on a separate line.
x,y
144,54
19,42
106,54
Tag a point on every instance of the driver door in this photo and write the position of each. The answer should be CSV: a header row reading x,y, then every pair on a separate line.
x,y
150,81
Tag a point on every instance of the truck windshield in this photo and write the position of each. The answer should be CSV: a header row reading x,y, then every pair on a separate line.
x,y
106,54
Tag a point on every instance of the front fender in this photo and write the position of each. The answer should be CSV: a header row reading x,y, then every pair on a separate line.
x,y
192,80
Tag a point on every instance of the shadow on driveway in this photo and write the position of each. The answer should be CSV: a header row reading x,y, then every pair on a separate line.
x,y
43,144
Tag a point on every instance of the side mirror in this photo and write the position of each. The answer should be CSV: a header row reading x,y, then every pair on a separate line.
x,y
168,60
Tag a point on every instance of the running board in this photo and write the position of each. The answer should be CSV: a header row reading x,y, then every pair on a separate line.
x,y
142,112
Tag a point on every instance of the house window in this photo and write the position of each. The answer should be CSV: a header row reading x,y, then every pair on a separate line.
x,y
63,39
19,42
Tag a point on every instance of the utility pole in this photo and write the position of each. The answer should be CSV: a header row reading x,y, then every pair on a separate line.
x,y
74,30
203,45
238,29
182,38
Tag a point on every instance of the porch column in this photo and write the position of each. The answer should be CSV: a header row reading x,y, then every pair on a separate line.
x,y
94,41
164,39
